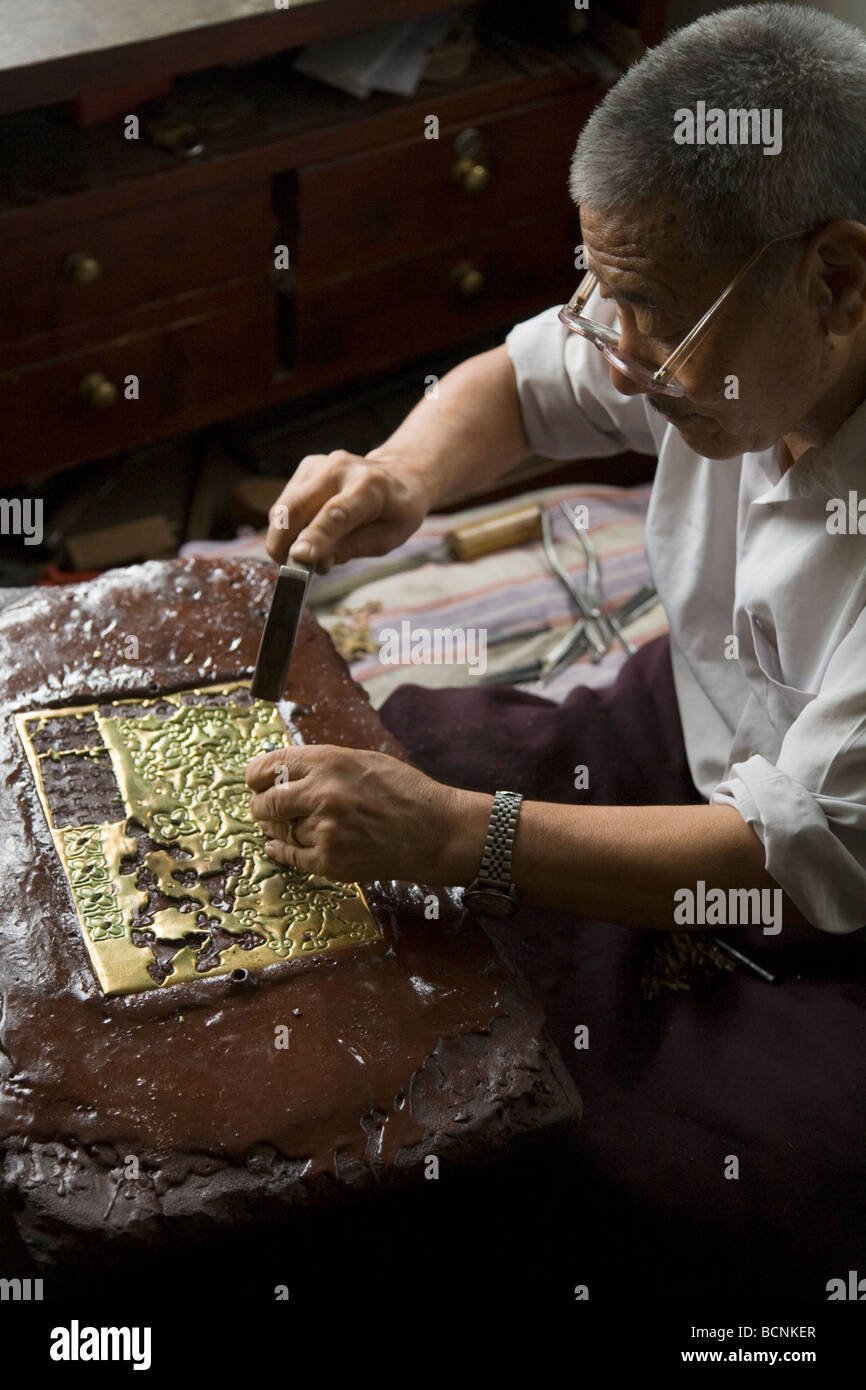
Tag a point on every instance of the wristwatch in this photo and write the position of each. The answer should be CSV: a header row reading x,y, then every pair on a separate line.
x,y
492,893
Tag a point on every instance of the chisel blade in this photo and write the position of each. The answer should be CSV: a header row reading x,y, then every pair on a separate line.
x,y
281,629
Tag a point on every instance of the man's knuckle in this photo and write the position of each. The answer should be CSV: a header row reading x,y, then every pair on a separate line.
x,y
334,517
329,834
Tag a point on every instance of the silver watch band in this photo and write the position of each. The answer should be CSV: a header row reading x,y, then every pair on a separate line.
x,y
496,855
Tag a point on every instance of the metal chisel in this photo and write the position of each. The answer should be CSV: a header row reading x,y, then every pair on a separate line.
x,y
467,542
281,629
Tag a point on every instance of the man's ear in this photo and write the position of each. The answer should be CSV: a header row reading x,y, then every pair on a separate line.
x,y
841,277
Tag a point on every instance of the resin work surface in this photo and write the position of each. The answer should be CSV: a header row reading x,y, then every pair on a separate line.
x,y
149,811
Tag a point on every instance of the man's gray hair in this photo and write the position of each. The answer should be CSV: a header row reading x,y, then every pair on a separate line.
x,y
801,61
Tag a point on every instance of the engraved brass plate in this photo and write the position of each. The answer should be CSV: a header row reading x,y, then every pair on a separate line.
x,y
178,886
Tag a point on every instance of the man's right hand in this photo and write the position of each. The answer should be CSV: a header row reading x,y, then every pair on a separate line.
x,y
339,506
458,439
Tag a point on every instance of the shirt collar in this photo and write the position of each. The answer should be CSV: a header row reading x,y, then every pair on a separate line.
x,y
834,466
838,465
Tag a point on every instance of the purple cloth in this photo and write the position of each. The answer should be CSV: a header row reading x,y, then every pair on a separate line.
x,y
674,1086
628,734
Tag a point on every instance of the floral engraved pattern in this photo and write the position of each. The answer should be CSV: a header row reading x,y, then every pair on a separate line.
x,y
181,885
90,877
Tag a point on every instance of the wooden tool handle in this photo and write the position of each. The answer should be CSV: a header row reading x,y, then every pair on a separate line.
x,y
496,533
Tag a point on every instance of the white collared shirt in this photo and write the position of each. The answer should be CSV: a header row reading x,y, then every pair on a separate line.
x,y
774,723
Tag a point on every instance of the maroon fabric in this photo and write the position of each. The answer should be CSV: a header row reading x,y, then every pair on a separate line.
x,y
628,734
673,1087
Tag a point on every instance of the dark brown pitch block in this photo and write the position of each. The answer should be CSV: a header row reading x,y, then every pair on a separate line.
x,y
208,1101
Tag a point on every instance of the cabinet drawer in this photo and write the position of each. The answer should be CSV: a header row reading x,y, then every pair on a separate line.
x,y
405,199
97,268
370,322
197,370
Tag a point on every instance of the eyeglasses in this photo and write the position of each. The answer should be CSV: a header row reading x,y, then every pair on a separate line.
x,y
659,379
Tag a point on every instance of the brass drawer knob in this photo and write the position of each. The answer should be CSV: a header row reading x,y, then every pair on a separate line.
x,y
468,279
97,391
472,177
82,268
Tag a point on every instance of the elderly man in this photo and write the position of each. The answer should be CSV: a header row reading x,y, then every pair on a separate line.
x,y
759,425
721,327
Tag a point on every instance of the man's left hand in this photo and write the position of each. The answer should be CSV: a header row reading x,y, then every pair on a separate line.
x,y
360,816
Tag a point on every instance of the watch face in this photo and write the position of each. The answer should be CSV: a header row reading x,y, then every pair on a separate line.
x,y
489,902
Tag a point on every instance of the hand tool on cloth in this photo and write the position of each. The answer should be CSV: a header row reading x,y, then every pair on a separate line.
x,y
572,644
589,624
640,602
281,629
468,542
594,585
629,611
747,961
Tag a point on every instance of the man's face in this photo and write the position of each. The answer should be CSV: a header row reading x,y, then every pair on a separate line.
x,y
758,372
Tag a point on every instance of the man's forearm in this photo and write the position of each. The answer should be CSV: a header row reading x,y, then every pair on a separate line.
x,y
467,434
621,863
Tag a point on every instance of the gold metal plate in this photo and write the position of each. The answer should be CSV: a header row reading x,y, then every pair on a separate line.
x,y
181,779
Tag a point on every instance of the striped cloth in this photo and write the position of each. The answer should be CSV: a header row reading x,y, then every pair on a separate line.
x,y
491,599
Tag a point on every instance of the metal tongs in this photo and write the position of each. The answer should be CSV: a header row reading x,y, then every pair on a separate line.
x,y
588,628
595,630
606,625
628,612
593,580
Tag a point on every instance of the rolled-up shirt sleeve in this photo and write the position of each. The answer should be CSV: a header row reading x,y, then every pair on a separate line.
x,y
570,407
809,810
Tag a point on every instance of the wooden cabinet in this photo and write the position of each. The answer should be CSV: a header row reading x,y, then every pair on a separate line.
x,y
92,269
140,386
401,309
416,246
423,193
121,261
